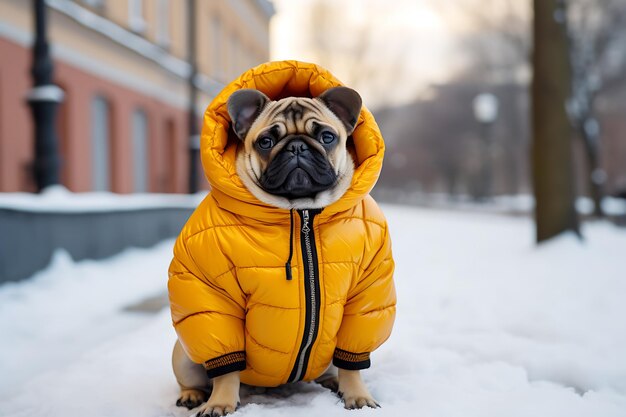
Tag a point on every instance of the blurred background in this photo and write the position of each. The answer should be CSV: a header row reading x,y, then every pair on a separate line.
x,y
102,99
448,81
426,67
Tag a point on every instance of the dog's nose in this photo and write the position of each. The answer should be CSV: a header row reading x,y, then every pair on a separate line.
x,y
297,146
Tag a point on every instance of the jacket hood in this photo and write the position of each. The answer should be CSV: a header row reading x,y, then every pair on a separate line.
x,y
278,80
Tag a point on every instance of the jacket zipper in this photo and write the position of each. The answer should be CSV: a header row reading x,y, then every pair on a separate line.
x,y
312,293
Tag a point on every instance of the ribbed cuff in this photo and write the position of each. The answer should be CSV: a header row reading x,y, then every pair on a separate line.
x,y
351,361
225,364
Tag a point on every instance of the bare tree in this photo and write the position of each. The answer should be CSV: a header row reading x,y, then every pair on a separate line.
x,y
353,48
555,210
493,43
596,35
497,41
596,27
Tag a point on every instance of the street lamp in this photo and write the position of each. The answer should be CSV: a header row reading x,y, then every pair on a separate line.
x,y
43,99
192,120
486,112
485,108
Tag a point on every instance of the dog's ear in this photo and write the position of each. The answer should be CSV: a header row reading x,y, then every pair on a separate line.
x,y
345,103
244,106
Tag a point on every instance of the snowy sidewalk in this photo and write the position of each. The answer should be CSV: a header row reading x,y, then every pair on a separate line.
x,y
487,325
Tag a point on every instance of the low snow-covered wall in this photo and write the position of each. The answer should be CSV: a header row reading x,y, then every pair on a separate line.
x,y
92,226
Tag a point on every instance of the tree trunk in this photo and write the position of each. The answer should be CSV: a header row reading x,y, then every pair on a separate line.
x,y
552,160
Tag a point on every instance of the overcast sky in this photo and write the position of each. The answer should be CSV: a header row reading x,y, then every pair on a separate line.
x,y
411,41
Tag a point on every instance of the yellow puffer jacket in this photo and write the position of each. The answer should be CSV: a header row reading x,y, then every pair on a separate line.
x,y
232,303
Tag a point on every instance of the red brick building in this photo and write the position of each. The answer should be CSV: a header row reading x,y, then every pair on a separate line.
x,y
123,124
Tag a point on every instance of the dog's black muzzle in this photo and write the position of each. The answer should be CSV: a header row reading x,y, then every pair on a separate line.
x,y
298,171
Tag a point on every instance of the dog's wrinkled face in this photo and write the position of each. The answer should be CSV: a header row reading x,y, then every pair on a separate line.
x,y
294,150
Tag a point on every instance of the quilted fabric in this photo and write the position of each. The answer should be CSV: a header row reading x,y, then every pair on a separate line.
x,y
231,304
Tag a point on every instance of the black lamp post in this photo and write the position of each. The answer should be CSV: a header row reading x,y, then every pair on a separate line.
x,y
43,99
486,112
194,137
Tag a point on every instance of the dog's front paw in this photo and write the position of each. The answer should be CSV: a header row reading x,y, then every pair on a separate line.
x,y
217,409
191,398
356,402
353,390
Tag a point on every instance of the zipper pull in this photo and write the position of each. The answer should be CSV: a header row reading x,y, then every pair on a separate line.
x,y
288,263
305,219
288,271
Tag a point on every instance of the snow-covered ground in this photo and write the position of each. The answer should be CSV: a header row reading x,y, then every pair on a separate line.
x,y
502,204
487,325
57,198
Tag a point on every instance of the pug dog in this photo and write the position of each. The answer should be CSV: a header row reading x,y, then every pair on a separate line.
x,y
292,155
294,150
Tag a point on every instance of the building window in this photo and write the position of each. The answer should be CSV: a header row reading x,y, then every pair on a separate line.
x,y
170,164
136,19
100,144
216,47
163,23
233,65
140,151
251,58
247,58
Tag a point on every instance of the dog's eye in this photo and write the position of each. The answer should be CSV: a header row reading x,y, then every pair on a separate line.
x,y
265,142
328,138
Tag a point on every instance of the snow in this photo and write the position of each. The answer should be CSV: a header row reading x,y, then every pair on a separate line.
x,y
58,199
520,204
488,325
68,308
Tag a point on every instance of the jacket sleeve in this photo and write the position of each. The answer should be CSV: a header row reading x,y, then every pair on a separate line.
x,y
207,313
369,312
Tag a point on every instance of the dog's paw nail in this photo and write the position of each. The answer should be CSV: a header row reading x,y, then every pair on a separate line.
x,y
371,404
